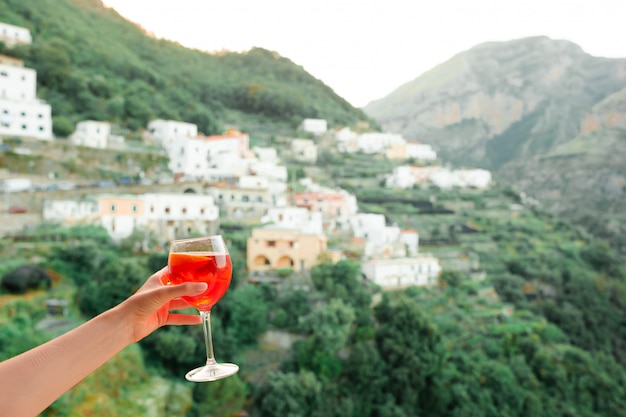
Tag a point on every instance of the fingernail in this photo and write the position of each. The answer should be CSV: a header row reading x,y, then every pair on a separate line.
x,y
200,286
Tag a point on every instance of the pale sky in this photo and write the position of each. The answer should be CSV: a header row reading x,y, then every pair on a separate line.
x,y
365,49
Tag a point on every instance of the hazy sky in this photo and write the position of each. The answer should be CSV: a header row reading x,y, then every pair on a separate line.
x,y
364,49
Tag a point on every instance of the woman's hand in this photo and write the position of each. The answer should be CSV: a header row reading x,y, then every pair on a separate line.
x,y
32,380
150,307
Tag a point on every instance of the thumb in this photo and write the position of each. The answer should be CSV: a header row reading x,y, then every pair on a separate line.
x,y
188,288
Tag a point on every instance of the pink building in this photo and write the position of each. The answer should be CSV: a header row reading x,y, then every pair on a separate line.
x,y
331,204
121,214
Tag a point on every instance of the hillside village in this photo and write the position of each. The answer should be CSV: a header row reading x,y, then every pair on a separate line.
x,y
372,274
222,179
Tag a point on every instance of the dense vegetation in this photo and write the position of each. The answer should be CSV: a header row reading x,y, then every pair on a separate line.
x,y
92,64
540,333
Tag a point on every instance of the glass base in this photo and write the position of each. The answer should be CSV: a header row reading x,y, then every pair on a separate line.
x,y
213,372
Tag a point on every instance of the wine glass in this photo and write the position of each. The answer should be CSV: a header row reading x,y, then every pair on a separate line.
x,y
203,259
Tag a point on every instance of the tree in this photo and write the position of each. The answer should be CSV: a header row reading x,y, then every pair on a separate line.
x,y
410,345
288,395
52,60
248,314
329,327
113,283
224,397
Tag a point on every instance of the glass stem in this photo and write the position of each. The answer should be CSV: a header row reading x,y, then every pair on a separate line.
x,y
208,339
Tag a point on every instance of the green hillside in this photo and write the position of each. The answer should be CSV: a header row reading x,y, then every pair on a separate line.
x,y
93,64
526,320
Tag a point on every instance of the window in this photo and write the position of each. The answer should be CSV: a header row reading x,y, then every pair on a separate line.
x,y
245,198
167,210
184,210
41,129
134,208
271,243
24,127
202,210
112,207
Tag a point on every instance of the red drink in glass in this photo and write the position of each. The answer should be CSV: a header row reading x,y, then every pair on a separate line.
x,y
213,268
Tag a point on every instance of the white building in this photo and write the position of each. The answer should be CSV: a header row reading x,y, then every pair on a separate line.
x,y
406,176
401,177
304,150
268,170
174,216
166,133
367,225
410,239
421,151
253,182
315,126
68,212
210,158
402,272
377,143
346,140
462,178
382,241
14,35
92,134
266,154
248,200
21,113
294,218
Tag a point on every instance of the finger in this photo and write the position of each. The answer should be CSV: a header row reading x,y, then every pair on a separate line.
x,y
183,319
179,304
169,292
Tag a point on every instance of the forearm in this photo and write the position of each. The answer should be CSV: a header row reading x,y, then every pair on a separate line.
x,y
33,380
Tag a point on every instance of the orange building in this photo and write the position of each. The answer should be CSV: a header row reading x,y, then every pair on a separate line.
x,y
270,249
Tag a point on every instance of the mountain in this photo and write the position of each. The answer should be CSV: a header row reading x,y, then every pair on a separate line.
x,y
542,114
93,64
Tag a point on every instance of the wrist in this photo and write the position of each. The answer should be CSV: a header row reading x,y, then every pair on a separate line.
x,y
117,318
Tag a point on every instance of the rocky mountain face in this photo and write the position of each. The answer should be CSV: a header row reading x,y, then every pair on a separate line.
x,y
584,178
542,114
501,101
